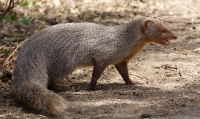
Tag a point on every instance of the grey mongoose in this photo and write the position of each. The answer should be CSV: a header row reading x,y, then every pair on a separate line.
x,y
49,55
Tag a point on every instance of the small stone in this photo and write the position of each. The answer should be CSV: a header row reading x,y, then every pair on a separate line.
x,y
145,116
71,19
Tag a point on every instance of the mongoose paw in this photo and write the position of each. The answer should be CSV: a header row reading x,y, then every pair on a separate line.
x,y
59,88
130,82
92,88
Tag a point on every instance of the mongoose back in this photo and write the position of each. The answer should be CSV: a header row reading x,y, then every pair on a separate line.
x,y
49,55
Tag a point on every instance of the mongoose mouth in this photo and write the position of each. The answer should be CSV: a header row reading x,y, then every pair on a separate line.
x,y
167,42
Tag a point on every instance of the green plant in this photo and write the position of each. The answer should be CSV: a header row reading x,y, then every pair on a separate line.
x,y
26,21
29,3
10,18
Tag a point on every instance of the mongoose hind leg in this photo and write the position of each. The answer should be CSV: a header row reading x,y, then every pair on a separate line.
x,y
123,71
59,85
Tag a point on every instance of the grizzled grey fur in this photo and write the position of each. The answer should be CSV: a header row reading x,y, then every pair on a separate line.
x,y
56,51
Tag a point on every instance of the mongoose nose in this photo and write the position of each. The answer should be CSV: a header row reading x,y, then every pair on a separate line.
x,y
174,37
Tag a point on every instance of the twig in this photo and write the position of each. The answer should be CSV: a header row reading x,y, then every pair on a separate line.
x,y
4,115
10,5
73,89
141,77
6,56
185,22
162,15
7,60
11,99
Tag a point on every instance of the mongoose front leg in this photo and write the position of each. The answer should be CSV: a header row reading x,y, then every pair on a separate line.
x,y
123,70
97,71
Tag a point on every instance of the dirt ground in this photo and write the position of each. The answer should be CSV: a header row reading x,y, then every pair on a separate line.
x,y
168,78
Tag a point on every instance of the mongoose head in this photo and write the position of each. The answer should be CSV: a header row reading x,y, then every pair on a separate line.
x,y
155,31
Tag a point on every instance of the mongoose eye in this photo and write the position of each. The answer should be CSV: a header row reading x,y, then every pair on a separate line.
x,y
163,31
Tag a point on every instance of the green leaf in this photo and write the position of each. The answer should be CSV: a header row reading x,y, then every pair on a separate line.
x,y
13,17
34,3
5,51
26,21
25,3
6,18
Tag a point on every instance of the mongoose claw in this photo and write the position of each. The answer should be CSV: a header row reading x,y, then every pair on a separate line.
x,y
130,82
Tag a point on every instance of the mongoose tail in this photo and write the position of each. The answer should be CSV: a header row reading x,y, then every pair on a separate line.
x,y
42,99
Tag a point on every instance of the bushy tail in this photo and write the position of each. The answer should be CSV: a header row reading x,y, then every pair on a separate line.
x,y
41,99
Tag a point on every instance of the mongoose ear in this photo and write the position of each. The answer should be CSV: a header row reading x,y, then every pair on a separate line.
x,y
146,24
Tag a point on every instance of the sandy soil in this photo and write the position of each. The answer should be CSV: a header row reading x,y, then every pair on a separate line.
x,y
168,78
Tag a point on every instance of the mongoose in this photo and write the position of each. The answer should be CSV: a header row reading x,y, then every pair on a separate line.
x,y
49,55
